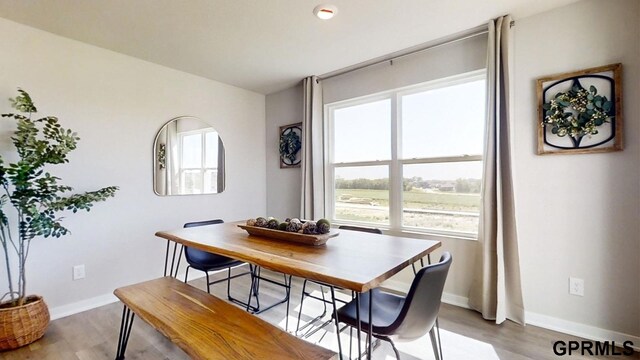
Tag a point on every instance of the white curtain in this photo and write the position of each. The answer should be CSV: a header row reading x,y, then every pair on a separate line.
x,y
497,290
312,200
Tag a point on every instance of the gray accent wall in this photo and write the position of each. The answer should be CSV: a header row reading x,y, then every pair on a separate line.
x,y
285,185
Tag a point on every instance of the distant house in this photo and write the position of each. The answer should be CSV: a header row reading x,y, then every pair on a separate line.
x,y
448,187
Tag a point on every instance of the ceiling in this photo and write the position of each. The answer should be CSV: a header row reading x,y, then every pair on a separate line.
x,y
260,45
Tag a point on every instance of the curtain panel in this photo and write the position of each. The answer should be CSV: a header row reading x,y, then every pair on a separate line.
x,y
312,200
496,291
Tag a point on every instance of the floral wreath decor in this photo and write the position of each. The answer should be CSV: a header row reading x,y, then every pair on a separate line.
x,y
577,112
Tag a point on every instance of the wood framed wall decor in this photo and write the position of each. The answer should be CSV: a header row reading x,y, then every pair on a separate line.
x,y
290,145
580,112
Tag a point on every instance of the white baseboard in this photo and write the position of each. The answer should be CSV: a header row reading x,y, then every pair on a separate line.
x,y
456,300
395,286
560,325
101,300
80,306
580,330
547,322
401,287
531,318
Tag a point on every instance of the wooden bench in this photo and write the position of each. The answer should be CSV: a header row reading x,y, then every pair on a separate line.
x,y
206,327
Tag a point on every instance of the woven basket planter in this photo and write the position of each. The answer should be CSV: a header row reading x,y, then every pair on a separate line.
x,y
22,325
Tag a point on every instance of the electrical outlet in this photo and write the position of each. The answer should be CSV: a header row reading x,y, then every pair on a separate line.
x,y
78,272
576,286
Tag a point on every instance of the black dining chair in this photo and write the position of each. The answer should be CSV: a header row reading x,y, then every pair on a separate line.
x,y
322,285
404,318
206,262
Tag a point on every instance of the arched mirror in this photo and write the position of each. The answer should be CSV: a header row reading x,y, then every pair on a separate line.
x,y
188,158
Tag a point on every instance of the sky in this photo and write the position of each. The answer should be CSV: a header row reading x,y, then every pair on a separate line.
x,y
192,149
446,121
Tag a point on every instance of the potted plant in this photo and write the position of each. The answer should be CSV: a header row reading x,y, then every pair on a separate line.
x,y
35,198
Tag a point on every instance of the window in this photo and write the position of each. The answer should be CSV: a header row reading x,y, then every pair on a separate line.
x,y
409,159
198,159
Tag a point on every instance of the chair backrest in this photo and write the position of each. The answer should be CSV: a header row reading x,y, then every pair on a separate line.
x,y
421,306
203,223
363,229
195,256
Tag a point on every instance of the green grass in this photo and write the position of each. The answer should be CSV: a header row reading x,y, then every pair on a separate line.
x,y
418,199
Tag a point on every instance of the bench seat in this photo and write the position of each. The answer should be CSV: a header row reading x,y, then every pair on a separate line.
x,y
206,327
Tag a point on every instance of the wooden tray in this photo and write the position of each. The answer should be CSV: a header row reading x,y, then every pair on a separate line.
x,y
306,239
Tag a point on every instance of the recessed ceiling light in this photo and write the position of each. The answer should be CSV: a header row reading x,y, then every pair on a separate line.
x,y
325,11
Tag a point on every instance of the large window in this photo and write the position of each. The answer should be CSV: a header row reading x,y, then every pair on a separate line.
x,y
409,159
198,159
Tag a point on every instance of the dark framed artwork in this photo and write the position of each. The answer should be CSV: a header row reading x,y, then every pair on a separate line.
x,y
580,112
290,145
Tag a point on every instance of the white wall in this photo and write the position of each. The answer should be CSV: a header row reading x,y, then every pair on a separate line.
x,y
285,185
117,104
578,214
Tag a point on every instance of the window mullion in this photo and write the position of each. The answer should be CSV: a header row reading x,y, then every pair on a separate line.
x,y
363,163
395,171
445,159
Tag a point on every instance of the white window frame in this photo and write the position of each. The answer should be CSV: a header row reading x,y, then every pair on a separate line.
x,y
203,169
396,163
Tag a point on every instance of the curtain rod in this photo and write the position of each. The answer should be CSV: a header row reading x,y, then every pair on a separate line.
x,y
477,31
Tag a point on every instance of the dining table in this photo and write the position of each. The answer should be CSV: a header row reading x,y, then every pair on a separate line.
x,y
350,260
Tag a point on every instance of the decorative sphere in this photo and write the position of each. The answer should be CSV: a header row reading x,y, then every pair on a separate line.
x,y
323,226
251,222
309,227
273,224
261,222
294,226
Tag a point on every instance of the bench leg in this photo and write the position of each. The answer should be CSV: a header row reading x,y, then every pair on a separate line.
x,y
125,332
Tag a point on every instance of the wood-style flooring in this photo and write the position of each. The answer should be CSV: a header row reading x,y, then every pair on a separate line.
x,y
93,334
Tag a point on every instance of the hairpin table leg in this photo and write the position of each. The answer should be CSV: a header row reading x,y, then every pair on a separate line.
x,y
125,332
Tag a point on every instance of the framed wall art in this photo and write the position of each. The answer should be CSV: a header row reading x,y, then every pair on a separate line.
x,y
580,112
290,145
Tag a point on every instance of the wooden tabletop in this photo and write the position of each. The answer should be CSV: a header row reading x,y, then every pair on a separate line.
x,y
353,260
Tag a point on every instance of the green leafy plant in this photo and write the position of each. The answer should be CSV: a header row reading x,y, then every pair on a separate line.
x,y
34,194
577,112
